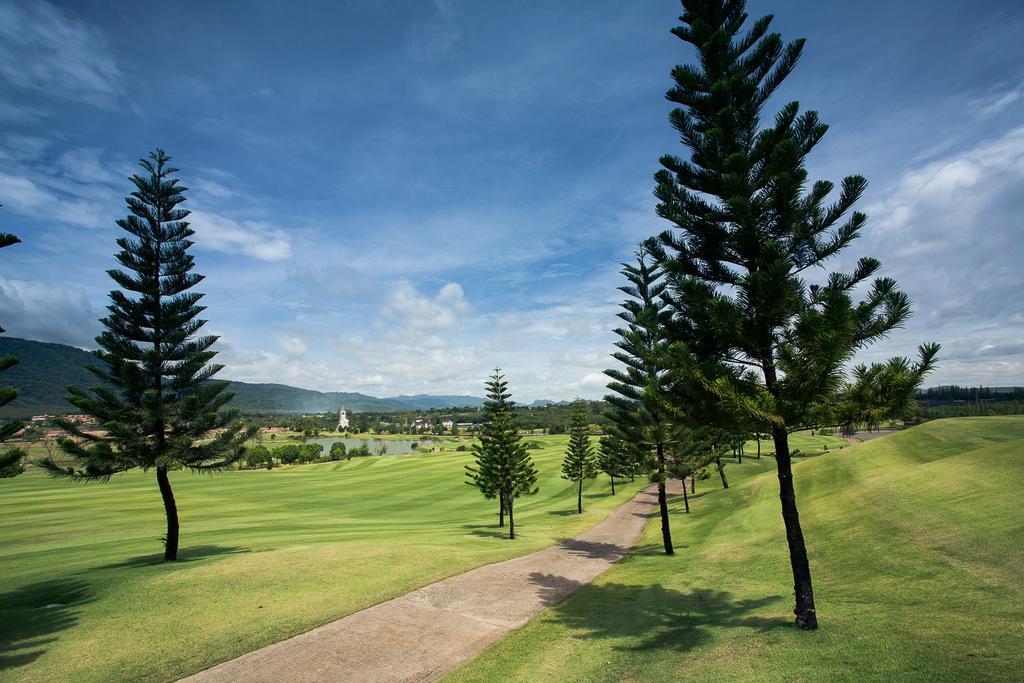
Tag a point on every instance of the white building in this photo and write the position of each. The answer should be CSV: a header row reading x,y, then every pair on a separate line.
x,y
342,419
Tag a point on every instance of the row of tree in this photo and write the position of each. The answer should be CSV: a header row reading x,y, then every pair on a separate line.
x,y
725,332
259,456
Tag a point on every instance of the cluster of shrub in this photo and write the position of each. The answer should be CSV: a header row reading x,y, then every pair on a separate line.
x,y
259,456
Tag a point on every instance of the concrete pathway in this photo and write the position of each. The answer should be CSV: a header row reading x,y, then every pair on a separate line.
x,y
424,634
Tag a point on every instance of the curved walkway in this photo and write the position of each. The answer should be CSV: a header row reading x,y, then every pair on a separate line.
x,y
424,634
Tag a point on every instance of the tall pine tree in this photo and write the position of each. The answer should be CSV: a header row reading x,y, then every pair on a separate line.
x,y
503,468
579,462
747,226
10,459
156,402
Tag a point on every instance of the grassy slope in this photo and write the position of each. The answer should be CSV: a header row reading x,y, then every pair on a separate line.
x,y
265,555
916,543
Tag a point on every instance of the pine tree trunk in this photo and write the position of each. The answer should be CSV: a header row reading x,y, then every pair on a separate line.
x,y
171,510
758,446
511,521
666,531
806,617
613,485
501,509
686,499
739,455
579,498
721,472
693,484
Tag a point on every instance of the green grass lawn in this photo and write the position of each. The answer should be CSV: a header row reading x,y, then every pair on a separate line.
x,y
805,442
917,548
265,555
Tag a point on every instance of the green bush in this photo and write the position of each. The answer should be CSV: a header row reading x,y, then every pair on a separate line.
x,y
338,450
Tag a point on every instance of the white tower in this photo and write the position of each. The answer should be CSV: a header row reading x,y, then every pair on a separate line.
x,y
342,419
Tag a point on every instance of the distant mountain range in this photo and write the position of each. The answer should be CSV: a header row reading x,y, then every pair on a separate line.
x,y
45,369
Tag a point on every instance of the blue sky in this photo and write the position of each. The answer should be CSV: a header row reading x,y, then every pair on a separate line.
x,y
395,197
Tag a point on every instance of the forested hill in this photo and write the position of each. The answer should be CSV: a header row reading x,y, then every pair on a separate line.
x,y
44,370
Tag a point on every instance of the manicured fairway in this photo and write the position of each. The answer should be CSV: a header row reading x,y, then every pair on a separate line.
x,y
265,555
804,442
917,547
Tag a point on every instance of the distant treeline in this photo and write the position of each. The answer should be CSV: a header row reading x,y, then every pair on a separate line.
x,y
933,404
553,418
956,393
970,409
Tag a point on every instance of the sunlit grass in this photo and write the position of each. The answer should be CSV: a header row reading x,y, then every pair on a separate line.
x,y
264,555
916,543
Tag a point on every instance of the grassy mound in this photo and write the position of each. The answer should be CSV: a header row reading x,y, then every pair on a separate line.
x,y
265,555
916,543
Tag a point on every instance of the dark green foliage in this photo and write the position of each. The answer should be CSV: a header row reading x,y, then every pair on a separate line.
x,y
884,392
43,374
360,451
156,399
299,453
310,452
287,455
748,226
503,469
579,462
955,393
638,406
258,456
10,460
613,459
338,450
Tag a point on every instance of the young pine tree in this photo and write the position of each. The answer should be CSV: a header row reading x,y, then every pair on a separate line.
x,y
884,392
503,467
613,458
579,462
748,225
638,410
10,459
157,402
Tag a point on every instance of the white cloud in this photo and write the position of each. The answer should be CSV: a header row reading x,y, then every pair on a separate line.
x,y
415,311
995,102
85,166
55,313
17,147
293,347
206,188
22,194
46,49
253,238
593,380
949,231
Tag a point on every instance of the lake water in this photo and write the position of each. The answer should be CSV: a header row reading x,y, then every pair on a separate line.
x,y
395,446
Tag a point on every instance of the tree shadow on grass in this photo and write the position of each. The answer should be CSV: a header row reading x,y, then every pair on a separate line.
x,y
185,555
652,616
488,530
31,616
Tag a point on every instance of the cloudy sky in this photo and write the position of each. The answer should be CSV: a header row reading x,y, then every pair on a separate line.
x,y
395,197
